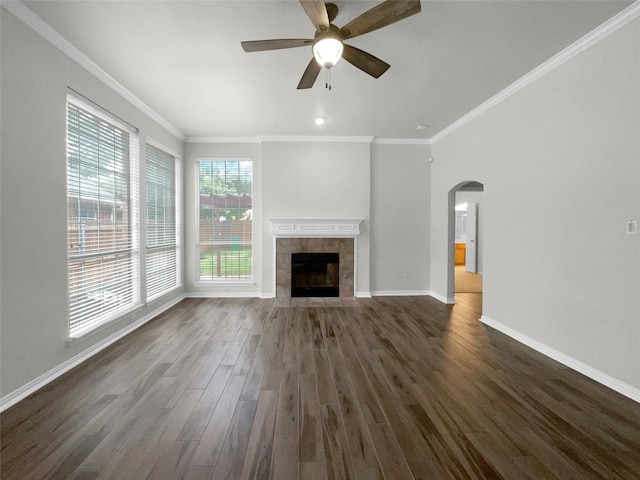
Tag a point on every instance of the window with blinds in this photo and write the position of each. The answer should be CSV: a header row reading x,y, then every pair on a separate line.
x,y
101,167
162,258
225,225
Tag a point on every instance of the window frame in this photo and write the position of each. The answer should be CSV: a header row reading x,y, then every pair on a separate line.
x,y
78,327
240,280
178,222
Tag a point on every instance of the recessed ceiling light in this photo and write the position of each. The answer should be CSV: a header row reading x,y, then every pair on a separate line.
x,y
320,120
422,126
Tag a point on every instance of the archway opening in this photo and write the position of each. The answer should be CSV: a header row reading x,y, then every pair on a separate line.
x,y
465,260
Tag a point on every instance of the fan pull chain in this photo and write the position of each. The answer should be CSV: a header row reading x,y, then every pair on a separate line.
x,y
327,82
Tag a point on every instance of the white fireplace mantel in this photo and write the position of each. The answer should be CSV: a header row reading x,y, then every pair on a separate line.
x,y
316,227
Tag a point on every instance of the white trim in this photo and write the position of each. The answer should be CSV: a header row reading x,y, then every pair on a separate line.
x,y
315,138
311,138
316,227
614,23
247,281
236,157
578,366
400,293
41,27
85,103
225,282
179,188
222,140
129,294
155,143
401,141
95,327
223,295
36,384
441,298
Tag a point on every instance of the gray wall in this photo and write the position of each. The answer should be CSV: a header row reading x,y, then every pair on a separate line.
x,y
385,184
560,164
33,202
316,180
400,178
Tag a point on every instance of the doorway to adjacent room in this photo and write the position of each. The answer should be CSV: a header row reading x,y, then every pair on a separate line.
x,y
465,262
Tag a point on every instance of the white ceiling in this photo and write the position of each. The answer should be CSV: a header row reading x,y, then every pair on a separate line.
x,y
183,60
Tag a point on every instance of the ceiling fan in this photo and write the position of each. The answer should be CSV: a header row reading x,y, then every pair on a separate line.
x,y
328,44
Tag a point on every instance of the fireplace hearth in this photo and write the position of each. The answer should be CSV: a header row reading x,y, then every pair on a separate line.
x,y
315,275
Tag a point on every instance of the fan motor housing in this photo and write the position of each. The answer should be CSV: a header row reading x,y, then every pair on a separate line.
x,y
333,32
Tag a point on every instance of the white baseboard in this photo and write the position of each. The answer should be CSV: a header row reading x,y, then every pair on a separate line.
x,y
411,293
443,299
222,295
363,295
400,293
23,392
578,366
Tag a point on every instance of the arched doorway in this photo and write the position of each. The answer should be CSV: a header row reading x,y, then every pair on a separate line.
x,y
465,242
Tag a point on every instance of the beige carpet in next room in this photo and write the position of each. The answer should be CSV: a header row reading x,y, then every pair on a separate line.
x,y
467,282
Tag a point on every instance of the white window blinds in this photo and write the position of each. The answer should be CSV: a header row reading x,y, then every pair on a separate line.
x,y
225,221
162,259
101,163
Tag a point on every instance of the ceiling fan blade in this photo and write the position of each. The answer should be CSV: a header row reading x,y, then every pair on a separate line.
x,y
310,74
262,45
364,61
380,16
317,12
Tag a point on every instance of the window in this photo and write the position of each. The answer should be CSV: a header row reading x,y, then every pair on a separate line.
x,y
162,259
101,192
224,228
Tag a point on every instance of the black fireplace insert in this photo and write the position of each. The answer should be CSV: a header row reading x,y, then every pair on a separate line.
x,y
315,275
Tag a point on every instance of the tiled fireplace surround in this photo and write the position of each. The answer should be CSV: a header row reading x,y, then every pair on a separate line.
x,y
286,246
315,236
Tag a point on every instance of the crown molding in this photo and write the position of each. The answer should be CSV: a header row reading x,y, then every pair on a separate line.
x,y
26,15
613,24
401,141
222,140
315,138
311,138
36,23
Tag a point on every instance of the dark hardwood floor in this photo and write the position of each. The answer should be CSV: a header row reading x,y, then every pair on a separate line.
x,y
384,388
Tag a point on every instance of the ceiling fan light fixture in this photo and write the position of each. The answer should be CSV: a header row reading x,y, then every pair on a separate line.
x,y
327,45
328,51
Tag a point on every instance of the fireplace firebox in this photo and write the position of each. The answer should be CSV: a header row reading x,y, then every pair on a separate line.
x,y
315,275
286,246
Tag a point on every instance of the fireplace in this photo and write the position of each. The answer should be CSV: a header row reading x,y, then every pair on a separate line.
x,y
342,268
315,275
315,236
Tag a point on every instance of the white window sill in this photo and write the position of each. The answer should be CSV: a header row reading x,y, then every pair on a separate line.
x,y
224,282
162,294
99,327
